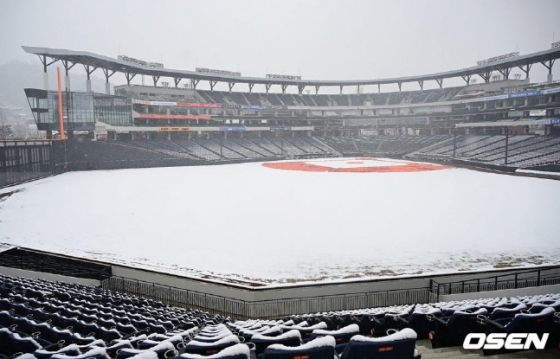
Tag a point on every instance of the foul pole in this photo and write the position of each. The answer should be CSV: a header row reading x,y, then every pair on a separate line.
x,y
61,118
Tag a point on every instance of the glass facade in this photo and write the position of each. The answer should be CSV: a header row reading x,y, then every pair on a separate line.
x,y
81,110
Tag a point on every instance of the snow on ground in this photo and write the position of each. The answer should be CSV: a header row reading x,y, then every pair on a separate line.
x,y
266,225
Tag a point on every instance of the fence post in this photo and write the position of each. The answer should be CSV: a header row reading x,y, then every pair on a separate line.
x,y
515,280
478,285
539,278
496,283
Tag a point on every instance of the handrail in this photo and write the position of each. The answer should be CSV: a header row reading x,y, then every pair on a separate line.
x,y
521,279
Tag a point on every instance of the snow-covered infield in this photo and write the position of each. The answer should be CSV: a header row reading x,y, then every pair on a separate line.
x,y
279,227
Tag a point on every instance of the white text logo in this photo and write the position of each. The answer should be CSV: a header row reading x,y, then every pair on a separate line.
x,y
513,341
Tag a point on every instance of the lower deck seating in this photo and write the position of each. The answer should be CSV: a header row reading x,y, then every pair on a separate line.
x,y
54,320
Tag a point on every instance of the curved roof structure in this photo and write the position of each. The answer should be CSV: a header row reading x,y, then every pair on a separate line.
x,y
114,65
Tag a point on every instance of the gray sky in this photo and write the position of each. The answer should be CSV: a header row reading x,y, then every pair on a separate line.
x,y
322,39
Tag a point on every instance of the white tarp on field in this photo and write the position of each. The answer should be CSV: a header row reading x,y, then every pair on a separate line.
x,y
249,222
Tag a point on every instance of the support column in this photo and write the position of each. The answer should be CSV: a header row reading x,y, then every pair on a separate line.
x,y
107,84
46,81
88,80
549,67
46,64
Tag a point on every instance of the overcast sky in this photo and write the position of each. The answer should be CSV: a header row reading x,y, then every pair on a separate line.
x,y
321,39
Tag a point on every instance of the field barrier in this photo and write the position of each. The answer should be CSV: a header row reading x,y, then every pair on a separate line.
x,y
21,161
278,308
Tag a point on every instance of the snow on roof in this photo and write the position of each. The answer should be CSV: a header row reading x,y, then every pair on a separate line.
x,y
351,328
289,334
234,350
229,339
406,333
326,341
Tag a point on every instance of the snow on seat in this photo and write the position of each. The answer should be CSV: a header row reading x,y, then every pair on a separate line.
x,y
163,350
307,331
237,351
208,348
400,345
248,334
290,338
94,352
498,313
320,348
146,354
71,350
340,336
212,338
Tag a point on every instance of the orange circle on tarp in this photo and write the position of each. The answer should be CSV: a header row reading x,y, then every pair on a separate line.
x,y
309,167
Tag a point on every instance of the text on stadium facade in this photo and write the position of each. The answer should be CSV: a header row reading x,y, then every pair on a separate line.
x,y
283,77
497,58
218,72
140,62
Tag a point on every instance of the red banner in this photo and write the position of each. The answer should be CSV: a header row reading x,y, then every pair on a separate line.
x,y
174,117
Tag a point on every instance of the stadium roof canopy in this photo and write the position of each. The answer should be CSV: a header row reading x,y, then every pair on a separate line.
x,y
109,65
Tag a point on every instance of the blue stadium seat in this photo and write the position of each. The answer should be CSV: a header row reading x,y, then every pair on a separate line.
x,y
237,351
453,331
291,338
400,345
319,348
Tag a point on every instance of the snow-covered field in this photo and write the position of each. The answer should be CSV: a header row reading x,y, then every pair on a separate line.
x,y
249,222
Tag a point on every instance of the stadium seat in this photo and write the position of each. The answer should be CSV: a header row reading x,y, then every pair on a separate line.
x,y
163,350
237,351
319,348
400,345
453,331
340,336
204,348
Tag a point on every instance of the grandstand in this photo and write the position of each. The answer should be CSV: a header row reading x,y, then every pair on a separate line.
x,y
44,319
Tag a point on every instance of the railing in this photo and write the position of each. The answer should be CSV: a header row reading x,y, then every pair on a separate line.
x,y
517,280
276,308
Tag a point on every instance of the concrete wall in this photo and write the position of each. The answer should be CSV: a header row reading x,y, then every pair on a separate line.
x,y
47,276
308,290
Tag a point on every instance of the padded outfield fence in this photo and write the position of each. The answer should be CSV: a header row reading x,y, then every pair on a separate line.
x,y
276,308
22,161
